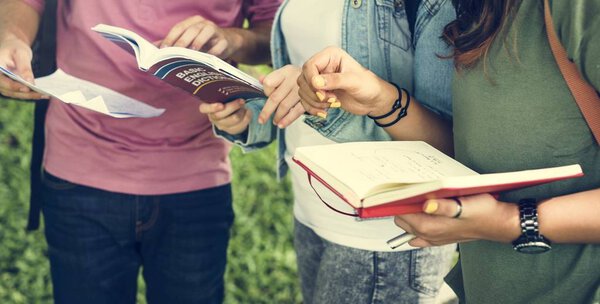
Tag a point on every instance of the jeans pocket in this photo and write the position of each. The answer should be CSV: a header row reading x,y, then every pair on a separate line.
x,y
427,269
392,23
55,183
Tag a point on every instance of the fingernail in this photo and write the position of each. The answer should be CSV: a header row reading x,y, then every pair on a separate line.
x,y
332,100
431,207
322,114
319,81
261,121
320,96
45,97
335,105
280,126
162,46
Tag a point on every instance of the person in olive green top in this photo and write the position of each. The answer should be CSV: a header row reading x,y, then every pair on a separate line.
x,y
512,111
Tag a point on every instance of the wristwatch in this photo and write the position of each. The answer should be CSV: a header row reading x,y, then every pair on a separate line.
x,y
530,241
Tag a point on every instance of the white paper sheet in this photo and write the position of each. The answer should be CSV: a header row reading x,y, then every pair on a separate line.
x,y
82,93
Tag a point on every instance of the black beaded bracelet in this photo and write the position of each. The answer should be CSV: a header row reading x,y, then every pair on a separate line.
x,y
397,105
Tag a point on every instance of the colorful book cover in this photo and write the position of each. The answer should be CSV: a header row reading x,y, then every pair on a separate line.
x,y
203,81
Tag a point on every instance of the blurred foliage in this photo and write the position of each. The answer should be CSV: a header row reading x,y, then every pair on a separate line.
x,y
261,260
24,269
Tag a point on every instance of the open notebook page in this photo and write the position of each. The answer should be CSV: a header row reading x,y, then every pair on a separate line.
x,y
369,167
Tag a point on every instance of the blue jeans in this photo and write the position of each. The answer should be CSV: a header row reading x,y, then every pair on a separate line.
x,y
98,240
332,273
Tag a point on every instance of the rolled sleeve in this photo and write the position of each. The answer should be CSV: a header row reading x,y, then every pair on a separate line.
x,y
260,10
37,5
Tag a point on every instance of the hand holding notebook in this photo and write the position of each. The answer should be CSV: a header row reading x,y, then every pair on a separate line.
x,y
387,178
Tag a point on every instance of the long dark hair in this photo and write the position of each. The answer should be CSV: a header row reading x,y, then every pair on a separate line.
x,y
478,23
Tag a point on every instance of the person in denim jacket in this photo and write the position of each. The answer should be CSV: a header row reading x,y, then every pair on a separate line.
x,y
340,259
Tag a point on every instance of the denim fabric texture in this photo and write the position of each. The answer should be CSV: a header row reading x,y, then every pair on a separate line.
x,y
376,34
332,273
432,73
98,240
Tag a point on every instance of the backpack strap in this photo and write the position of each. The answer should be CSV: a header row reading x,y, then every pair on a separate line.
x,y
585,95
44,63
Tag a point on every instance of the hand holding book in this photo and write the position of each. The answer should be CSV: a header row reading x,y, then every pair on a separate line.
x,y
200,34
283,104
482,217
201,74
232,117
15,58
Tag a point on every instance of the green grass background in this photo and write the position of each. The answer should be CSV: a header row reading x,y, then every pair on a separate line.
x,y
261,261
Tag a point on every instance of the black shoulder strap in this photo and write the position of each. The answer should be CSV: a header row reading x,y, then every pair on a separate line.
x,y
411,7
44,47
44,63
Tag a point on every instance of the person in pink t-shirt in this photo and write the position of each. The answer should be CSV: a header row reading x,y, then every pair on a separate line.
x,y
120,194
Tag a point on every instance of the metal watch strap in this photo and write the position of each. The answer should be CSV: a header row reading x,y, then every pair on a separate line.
x,y
530,241
529,218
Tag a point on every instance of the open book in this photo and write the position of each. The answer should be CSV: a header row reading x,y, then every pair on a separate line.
x,y
387,178
203,75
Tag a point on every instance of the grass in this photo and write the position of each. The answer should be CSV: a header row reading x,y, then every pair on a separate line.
x,y
261,261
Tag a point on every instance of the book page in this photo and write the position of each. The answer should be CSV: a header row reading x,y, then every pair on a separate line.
x,y
129,41
82,93
366,167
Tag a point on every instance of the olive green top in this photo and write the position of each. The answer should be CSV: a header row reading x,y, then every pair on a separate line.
x,y
516,112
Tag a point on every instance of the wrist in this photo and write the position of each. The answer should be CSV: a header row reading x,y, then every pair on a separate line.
x,y
15,36
388,94
398,110
530,240
505,224
6,38
235,43
512,222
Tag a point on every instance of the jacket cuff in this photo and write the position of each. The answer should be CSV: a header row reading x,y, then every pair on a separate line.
x,y
257,135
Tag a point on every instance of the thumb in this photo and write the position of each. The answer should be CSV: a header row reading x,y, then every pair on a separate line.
x,y
443,207
336,81
418,242
209,108
22,62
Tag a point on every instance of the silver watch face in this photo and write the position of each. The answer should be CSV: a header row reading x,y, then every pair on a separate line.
x,y
533,247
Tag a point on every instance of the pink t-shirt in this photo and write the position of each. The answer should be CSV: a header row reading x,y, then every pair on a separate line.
x,y
175,152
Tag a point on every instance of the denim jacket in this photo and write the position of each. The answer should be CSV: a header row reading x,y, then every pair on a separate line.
x,y
376,34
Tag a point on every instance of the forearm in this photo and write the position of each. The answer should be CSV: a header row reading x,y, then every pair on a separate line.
x,y
18,20
418,124
252,44
573,218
